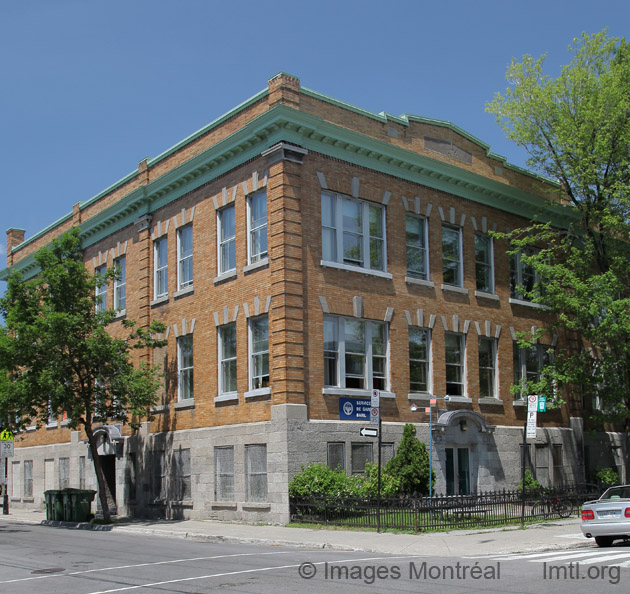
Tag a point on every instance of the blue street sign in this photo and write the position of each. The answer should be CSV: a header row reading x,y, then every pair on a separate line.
x,y
354,409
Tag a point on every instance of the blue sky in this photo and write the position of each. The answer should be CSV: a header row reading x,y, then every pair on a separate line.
x,y
90,88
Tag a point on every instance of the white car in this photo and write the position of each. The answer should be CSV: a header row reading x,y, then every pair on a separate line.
x,y
608,518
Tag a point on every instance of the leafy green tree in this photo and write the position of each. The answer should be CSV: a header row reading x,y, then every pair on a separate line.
x,y
61,358
411,465
576,129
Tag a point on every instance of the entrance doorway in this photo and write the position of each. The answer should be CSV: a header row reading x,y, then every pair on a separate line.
x,y
457,471
108,464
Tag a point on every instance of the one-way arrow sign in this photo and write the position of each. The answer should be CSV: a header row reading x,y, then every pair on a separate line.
x,y
368,432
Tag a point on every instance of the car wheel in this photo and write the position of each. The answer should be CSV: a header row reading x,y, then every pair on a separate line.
x,y
604,541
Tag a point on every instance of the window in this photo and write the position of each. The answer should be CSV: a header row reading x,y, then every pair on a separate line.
x,y
184,257
523,278
259,353
158,476
185,367
14,478
528,364
160,270
417,248
558,468
257,227
336,458
419,359
455,364
227,240
353,232
360,454
180,473
487,367
256,472
28,479
484,263
227,359
120,283
101,289
224,473
452,256
355,354
64,473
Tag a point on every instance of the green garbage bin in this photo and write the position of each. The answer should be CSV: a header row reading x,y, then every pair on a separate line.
x,y
66,502
54,505
82,504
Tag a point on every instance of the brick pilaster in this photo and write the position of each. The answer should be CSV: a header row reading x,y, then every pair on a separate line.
x,y
14,238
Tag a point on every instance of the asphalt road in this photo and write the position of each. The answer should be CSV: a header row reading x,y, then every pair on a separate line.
x,y
44,559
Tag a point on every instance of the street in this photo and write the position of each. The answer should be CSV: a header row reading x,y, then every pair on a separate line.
x,y
46,559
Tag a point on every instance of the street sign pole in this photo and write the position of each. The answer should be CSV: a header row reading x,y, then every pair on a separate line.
x,y
378,487
5,498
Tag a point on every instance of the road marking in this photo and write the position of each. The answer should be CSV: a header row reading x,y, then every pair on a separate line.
x,y
583,556
245,571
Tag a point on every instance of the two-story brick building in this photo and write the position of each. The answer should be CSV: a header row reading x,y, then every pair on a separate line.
x,y
303,252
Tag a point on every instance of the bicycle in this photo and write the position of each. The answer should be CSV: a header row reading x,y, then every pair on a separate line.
x,y
552,506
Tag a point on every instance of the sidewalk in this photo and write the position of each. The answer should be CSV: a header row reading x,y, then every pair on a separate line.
x,y
548,536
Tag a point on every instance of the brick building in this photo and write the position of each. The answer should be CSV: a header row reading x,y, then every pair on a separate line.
x,y
301,252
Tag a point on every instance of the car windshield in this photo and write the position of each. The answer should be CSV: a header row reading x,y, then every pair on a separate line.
x,y
617,493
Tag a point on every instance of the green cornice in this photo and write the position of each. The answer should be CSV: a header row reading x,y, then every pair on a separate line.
x,y
282,123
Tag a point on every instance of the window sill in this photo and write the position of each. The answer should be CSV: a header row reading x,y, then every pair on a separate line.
x,y
462,399
359,393
182,503
524,303
32,428
162,408
256,506
484,295
420,396
419,281
120,313
226,276
258,392
184,404
348,268
256,265
52,425
159,300
229,397
520,402
454,289
65,423
185,291
223,505
490,400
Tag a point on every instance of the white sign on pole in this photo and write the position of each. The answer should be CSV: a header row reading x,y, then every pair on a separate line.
x,y
376,398
532,402
375,415
531,424
6,449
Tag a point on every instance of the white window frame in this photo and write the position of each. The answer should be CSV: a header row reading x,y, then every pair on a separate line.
x,y
461,364
336,232
183,259
424,249
339,324
182,371
459,281
160,246
520,369
254,389
486,265
492,369
426,363
226,243
120,284
252,229
223,361
517,267
101,290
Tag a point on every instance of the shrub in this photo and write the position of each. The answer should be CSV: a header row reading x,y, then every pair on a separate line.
x,y
607,477
390,484
531,484
321,480
411,465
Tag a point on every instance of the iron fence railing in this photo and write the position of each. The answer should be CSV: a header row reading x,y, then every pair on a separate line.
x,y
443,512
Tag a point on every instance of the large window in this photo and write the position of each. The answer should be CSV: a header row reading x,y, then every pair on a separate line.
x,y
455,364
419,359
180,475
452,270
185,367
484,263
353,232
523,278
28,479
227,240
355,354
64,473
259,353
336,457
224,473
184,257
256,472
120,284
257,227
160,268
158,475
360,455
528,364
417,247
487,367
101,289
227,359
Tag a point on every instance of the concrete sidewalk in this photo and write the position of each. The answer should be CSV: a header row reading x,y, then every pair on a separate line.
x,y
548,536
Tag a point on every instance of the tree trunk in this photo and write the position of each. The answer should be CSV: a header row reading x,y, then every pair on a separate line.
x,y
103,488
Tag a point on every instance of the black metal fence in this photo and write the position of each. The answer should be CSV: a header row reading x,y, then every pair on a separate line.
x,y
443,512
